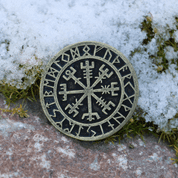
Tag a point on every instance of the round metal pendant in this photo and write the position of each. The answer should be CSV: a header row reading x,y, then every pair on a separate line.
x,y
89,91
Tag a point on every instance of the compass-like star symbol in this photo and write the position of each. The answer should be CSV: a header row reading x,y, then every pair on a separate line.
x,y
89,89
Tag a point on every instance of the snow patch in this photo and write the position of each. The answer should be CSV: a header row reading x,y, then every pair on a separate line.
x,y
121,160
38,137
138,171
95,166
141,153
154,157
7,125
121,147
66,152
141,143
44,163
64,139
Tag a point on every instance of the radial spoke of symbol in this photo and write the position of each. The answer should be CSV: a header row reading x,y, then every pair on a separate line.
x,y
75,106
71,92
70,75
76,80
106,89
103,103
104,72
87,71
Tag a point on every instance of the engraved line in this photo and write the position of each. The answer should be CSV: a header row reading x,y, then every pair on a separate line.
x,y
70,74
97,49
67,129
54,70
48,85
54,112
55,62
61,122
111,125
101,129
130,85
121,115
104,73
72,127
71,92
127,76
79,130
103,103
125,66
108,52
51,73
98,80
89,105
94,133
87,71
106,90
88,128
116,60
126,107
48,94
75,52
48,80
49,104
64,54
75,106
117,120
77,81
128,98
86,49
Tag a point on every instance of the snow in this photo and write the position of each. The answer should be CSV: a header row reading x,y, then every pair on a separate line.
x,y
94,165
170,53
66,152
32,32
7,126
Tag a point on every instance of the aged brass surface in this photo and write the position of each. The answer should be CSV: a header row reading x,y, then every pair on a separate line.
x,y
89,90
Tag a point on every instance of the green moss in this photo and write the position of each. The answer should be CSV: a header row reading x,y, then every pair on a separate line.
x,y
176,116
20,111
136,126
151,32
7,42
12,94
147,27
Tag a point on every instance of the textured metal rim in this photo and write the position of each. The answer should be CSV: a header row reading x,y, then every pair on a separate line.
x,y
109,52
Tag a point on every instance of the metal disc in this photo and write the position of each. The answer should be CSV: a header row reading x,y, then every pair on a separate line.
x,y
89,90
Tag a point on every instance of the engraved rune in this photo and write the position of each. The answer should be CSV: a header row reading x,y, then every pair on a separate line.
x,y
88,90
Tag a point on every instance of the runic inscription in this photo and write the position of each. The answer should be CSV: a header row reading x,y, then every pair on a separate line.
x,y
89,90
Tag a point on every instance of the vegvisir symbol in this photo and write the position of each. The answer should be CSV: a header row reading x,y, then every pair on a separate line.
x,y
88,90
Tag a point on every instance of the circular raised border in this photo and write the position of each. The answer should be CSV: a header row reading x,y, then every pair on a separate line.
x,y
127,64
